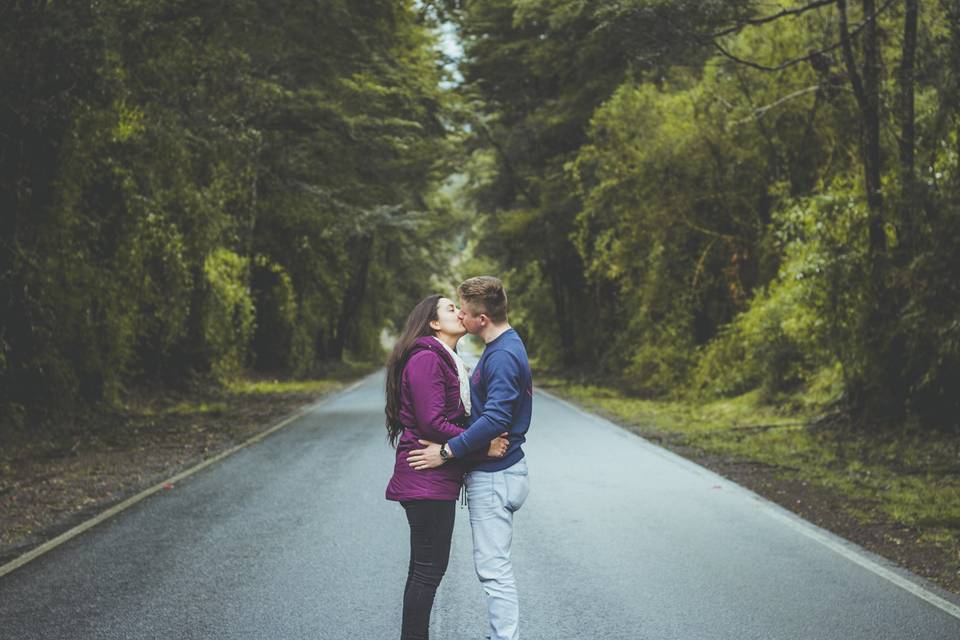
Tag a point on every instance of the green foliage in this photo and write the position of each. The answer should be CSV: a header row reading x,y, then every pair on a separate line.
x,y
930,323
158,269
535,71
804,319
198,187
672,217
228,315
709,211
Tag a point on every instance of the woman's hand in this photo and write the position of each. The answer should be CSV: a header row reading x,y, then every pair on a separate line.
x,y
498,446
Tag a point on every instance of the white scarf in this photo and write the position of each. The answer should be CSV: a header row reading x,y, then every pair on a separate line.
x,y
462,373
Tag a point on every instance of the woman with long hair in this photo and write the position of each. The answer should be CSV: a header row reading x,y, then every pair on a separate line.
x,y
428,398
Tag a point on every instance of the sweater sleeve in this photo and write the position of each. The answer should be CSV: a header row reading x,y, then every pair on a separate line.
x,y
503,390
428,395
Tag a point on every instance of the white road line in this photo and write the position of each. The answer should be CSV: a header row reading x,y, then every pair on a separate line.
x,y
849,550
853,554
129,502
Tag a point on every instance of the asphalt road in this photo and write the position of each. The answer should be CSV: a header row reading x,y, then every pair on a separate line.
x,y
292,538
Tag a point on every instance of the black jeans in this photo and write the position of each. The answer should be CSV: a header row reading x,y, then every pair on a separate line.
x,y
431,528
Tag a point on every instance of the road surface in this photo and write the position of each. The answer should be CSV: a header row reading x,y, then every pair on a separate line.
x,y
291,538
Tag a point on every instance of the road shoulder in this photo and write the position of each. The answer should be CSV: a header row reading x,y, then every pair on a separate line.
x,y
57,484
793,477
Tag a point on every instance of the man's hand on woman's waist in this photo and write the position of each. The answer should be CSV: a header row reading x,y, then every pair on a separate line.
x,y
434,455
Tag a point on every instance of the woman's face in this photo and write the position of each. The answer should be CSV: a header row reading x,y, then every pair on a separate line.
x,y
448,319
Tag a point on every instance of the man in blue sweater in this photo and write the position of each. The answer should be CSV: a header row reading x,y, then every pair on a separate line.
x,y
501,394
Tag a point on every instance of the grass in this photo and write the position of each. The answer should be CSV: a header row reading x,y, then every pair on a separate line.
x,y
196,408
150,408
908,478
270,387
217,399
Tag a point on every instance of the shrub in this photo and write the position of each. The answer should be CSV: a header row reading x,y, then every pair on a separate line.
x,y
806,318
228,314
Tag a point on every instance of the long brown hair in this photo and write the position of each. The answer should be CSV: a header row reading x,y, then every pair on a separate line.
x,y
417,326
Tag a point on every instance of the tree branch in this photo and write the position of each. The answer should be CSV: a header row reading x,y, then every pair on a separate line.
x,y
844,35
759,111
699,268
848,58
776,16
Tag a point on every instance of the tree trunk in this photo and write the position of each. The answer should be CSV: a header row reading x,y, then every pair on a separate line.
x,y
361,254
867,93
878,396
909,206
871,121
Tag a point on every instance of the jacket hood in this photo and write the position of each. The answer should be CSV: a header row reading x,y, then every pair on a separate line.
x,y
429,343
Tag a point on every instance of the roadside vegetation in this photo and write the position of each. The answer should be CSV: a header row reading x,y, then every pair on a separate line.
x,y
78,468
196,191
896,492
718,197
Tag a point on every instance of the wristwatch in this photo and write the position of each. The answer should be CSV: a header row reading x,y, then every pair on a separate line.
x,y
444,454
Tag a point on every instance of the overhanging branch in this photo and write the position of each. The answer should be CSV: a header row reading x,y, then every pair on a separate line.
x,y
845,36
759,111
753,22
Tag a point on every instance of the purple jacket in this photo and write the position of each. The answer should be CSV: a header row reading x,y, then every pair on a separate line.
x,y
430,409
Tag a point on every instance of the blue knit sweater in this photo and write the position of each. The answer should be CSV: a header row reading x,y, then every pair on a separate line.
x,y
501,395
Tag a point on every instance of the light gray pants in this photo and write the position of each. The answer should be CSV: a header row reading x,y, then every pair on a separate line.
x,y
493,497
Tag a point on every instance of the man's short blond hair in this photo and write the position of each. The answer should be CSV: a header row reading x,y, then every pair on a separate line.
x,y
485,294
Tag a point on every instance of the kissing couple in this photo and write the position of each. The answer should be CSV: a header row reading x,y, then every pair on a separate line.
x,y
454,430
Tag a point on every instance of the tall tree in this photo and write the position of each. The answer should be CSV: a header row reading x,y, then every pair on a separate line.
x,y
175,174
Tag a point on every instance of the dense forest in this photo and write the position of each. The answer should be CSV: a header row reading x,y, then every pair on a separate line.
x,y
692,198
190,189
704,198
